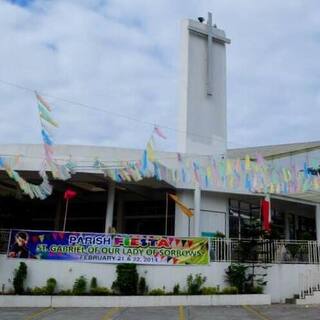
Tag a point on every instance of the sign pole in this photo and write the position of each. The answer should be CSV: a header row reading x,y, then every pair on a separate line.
x,y
166,226
65,215
188,226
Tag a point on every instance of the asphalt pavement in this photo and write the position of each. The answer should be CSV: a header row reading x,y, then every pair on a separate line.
x,y
272,312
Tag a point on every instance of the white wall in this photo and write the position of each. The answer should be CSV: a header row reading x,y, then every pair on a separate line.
x,y
212,204
317,217
210,218
66,272
282,278
181,220
200,113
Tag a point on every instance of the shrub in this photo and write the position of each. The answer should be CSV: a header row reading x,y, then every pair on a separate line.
x,y
195,283
157,292
220,235
176,289
65,293
100,291
230,290
51,286
142,286
39,291
93,283
256,290
20,276
209,290
80,286
236,276
26,291
127,279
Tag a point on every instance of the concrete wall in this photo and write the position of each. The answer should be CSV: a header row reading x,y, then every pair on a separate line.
x,y
132,301
202,117
181,220
66,272
282,278
213,209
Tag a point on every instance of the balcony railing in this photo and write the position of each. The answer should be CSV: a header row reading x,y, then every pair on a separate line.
x,y
265,251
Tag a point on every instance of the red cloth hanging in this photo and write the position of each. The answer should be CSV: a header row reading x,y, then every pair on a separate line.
x,y
69,194
265,214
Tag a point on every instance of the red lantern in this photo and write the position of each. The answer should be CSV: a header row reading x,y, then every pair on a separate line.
x,y
69,194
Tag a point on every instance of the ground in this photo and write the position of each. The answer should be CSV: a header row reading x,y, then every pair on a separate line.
x,y
273,312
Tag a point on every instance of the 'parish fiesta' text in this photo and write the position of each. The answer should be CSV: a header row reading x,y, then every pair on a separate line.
x,y
117,241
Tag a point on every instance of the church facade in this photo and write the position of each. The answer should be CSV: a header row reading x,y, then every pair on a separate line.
x,y
106,203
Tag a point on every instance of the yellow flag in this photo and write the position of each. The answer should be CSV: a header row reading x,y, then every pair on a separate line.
x,y
150,152
181,205
247,162
229,167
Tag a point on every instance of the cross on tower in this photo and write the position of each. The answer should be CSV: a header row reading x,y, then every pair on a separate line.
x,y
212,36
209,63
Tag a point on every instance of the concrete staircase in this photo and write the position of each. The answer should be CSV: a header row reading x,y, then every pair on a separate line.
x,y
314,298
309,289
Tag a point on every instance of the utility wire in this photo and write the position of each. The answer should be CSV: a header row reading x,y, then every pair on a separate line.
x,y
105,161
112,113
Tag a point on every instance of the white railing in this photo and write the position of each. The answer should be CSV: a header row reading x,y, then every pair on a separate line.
x,y
265,251
309,282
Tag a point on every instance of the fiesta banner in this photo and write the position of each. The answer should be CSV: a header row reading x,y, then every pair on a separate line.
x,y
108,248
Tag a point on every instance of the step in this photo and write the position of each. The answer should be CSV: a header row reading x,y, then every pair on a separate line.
x,y
309,299
291,300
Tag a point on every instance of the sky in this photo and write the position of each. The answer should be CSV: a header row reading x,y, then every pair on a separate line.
x,y
121,58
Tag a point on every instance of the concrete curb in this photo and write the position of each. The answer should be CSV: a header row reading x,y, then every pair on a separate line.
x,y
133,301
25,301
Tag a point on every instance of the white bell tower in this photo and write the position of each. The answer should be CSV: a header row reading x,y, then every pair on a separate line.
x,y
202,118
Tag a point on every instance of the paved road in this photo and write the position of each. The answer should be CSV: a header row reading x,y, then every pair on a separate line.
x,y
273,312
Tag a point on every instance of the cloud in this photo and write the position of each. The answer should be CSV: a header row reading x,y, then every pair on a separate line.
x,y
123,56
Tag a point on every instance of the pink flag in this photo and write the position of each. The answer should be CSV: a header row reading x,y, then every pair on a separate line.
x,y
260,159
159,132
48,152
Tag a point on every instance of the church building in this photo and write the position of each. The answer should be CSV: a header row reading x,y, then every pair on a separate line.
x,y
223,188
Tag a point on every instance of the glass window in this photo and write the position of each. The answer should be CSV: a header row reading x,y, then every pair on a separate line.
x,y
242,214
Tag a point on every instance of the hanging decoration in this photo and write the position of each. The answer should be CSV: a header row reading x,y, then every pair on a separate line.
x,y
265,214
58,171
68,195
248,174
40,191
159,132
61,172
184,209
233,175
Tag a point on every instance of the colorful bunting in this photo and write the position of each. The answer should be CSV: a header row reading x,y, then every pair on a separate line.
x,y
224,174
58,171
241,175
40,191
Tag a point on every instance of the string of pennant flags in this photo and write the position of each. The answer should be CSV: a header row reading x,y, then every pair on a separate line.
x,y
41,191
241,175
238,175
60,172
